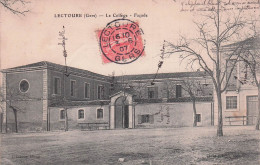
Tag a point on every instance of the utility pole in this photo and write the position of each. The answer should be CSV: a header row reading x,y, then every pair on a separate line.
x,y
65,74
160,62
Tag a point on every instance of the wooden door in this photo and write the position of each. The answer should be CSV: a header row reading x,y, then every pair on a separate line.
x,y
251,109
118,116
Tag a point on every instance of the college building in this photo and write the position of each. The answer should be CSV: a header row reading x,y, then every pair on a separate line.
x,y
240,99
45,96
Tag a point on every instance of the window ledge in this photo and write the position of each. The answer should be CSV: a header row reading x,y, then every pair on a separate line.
x,y
231,110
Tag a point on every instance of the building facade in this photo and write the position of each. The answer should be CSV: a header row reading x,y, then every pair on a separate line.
x,y
240,99
47,95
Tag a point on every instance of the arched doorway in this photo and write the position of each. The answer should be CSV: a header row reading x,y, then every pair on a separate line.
x,y
121,113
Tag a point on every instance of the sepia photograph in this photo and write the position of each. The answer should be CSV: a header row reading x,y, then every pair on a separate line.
x,y
129,82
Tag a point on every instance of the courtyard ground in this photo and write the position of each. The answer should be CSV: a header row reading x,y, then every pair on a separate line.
x,y
240,145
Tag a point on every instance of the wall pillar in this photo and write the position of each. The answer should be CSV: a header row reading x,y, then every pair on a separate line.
x,y
112,117
131,116
3,103
45,101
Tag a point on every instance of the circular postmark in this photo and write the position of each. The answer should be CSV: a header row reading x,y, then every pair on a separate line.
x,y
121,41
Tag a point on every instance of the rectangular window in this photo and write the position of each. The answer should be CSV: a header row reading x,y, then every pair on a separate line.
x,y
178,91
145,119
152,92
100,92
62,114
231,102
100,113
57,86
72,87
87,90
198,118
81,114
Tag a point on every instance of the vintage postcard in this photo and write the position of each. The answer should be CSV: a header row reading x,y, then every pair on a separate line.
x,y
129,82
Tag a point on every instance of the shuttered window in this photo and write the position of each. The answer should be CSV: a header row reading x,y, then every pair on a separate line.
x,y
81,114
145,119
198,118
152,92
57,87
100,113
72,87
178,91
62,114
87,90
100,92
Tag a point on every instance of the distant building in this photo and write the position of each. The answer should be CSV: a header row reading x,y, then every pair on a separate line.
x,y
41,91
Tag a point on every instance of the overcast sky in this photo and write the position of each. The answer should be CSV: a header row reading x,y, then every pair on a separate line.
x,y
34,37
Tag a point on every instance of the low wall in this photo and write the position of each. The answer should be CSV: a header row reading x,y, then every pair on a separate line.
x,y
172,114
90,118
159,114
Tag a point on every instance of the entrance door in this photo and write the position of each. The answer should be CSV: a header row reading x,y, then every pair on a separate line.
x,y
121,113
118,116
121,116
251,109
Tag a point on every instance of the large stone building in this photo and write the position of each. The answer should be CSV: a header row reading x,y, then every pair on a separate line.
x,y
41,92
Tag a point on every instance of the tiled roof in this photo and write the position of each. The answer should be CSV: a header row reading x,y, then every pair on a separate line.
x,y
162,75
50,65
37,64
252,42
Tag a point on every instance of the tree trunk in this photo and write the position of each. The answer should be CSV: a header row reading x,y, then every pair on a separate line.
x,y
6,121
194,112
1,122
15,119
66,120
258,117
220,120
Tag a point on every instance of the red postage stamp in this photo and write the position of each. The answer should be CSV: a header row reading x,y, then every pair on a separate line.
x,y
121,41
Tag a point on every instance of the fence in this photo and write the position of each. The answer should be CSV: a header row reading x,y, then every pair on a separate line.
x,y
243,120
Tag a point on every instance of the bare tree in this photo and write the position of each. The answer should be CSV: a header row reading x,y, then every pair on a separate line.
x,y
215,31
17,7
12,98
191,86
